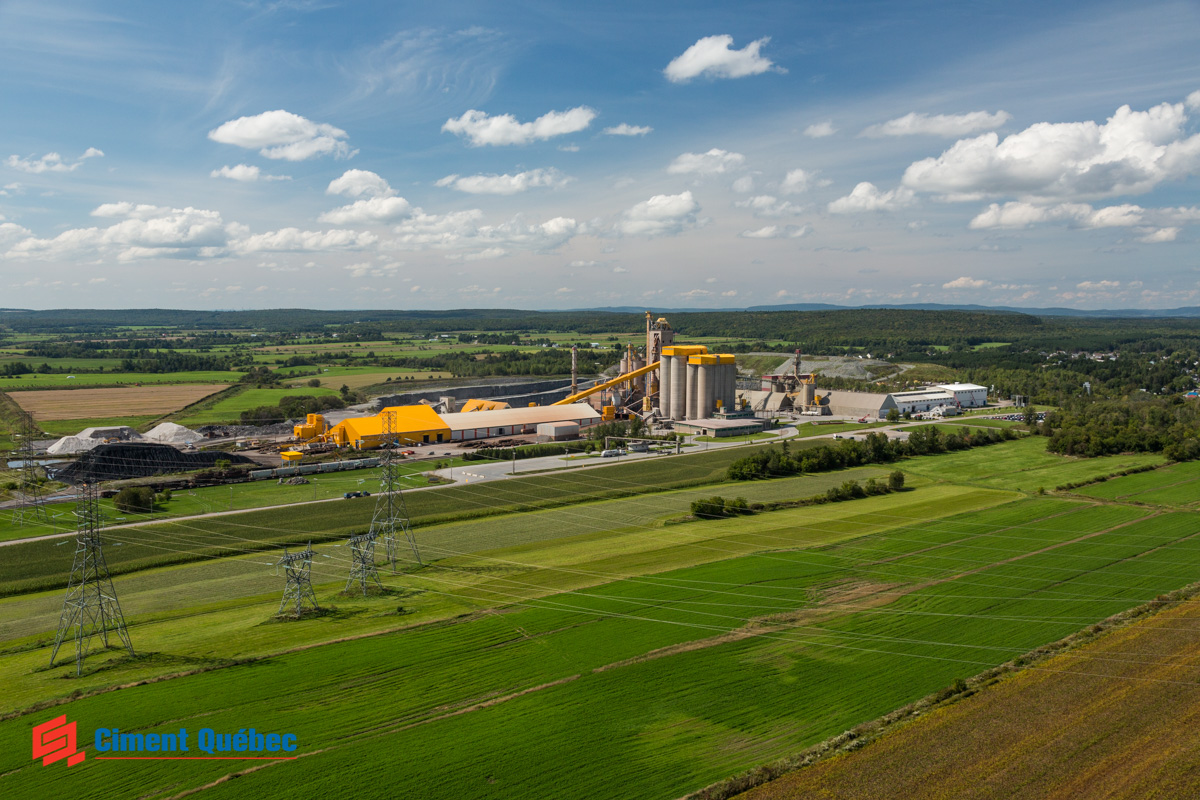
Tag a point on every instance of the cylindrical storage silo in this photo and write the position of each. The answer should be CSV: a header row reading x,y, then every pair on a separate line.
x,y
693,396
730,384
678,386
664,387
704,389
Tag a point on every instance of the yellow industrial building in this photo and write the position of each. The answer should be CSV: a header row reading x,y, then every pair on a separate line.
x,y
417,424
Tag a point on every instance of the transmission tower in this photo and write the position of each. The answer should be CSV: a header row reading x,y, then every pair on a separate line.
x,y
31,507
298,591
91,605
362,565
390,521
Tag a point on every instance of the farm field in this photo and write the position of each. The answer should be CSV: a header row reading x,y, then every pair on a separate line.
x,y
809,429
64,381
1076,727
88,403
1175,484
748,658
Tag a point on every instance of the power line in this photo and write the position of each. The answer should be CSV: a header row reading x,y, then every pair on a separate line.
x,y
298,590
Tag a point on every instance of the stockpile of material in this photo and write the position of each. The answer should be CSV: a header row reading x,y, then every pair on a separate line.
x,y
111,462
172,433
90,438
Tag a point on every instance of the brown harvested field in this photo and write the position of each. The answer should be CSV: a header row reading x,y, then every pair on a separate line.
x,y
1118,718
370,379
127,402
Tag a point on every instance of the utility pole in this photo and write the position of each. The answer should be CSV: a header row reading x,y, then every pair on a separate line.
x,y
298,591
32,506
90,606
362,564
390,520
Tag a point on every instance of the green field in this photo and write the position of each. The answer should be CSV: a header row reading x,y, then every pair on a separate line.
x,y
1177,484
95,379
650,656
229,409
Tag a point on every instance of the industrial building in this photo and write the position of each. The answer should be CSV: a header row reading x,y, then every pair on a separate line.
x,y
967,395
918,401
417,424
515,421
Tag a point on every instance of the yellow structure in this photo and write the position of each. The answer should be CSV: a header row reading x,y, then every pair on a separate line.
x,y
410,425
483,405
314,426
291,455
602,386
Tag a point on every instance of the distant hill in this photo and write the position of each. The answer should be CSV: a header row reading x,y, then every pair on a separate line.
x,y
1123,313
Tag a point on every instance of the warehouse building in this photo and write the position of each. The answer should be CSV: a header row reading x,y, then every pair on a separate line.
x,y
967,395
516,421
409,425
918,401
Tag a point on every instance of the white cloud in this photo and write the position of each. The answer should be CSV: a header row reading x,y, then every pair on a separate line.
x,y
938,124
625,129
867,197
368,211
245,173
1097,286
283,135
143,231
463,229
51,162
966,283
1021,215
661,215
482,129
379,203
1156,236
776,232
569,148
744,184
764,205
819,130
1193,100
714,162
11,189
713,57
296,240
359,182
1132,152
506,184
798,181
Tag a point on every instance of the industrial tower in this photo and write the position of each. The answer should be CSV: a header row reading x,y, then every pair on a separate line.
x,y
362,565
391,514
32,506
297,568
91,605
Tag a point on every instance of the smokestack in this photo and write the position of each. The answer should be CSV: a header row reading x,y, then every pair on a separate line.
x,y
574,372
796,365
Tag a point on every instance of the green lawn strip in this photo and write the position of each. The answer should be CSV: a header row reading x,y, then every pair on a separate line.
x,y
811,429
654,727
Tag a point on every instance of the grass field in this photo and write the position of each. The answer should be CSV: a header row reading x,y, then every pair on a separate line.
x,y
1077,727
229,409
133,401
650,657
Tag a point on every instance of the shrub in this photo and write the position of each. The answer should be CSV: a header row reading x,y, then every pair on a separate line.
x,y
896,481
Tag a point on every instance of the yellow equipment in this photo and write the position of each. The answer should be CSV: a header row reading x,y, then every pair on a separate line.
x,y
602,386
314,426
291,455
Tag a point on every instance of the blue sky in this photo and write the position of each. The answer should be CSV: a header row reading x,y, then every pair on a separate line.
x,y
552,155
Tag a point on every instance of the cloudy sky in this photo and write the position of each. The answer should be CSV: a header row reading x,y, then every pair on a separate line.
x,y
241,154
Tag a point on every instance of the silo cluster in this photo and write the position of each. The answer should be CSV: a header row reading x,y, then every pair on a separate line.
x,y
694,383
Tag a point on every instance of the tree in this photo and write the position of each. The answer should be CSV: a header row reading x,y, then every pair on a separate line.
x,y
893,415
896,481
135,500
315,382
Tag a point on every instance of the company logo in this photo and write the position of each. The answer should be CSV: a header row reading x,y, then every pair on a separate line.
x,y
55,740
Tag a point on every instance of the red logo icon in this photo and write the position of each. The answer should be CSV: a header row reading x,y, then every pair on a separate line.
x,y
54,741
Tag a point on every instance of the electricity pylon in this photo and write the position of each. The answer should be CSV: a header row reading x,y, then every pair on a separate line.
x,y
31,507
362,564
91,605
390,521
297,568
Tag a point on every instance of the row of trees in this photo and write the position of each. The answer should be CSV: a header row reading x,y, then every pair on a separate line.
x,y
875,448
1167,425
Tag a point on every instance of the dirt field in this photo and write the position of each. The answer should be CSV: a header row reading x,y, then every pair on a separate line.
x,y
1119,718
95,403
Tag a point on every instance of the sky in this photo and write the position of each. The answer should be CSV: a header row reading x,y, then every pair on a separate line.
x,y
556,155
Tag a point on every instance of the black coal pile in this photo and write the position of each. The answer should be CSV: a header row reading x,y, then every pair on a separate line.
x,y
119,461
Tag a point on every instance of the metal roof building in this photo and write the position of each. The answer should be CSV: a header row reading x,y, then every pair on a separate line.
x,y
515,421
